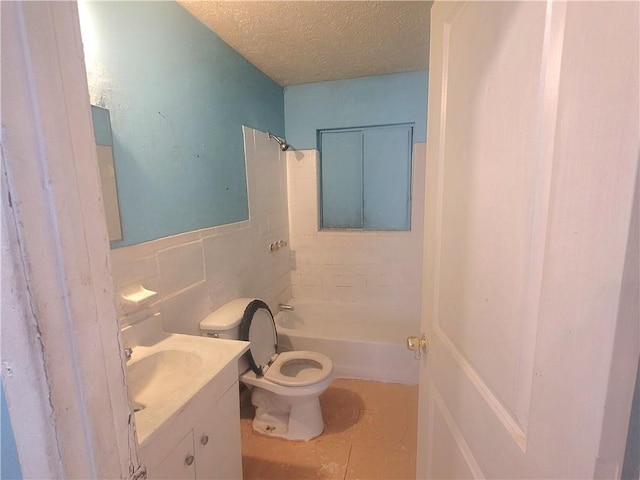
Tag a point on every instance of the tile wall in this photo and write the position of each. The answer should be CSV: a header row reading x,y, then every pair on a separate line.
x,y
362,267
198,271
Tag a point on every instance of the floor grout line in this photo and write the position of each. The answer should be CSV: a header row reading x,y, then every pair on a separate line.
x,y
346,468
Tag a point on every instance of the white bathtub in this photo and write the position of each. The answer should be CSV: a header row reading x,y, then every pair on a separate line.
x,y
362,341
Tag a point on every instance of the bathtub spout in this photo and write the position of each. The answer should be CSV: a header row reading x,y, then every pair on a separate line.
x,y
285,306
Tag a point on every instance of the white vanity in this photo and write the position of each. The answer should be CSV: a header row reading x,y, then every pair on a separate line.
x,y
185,392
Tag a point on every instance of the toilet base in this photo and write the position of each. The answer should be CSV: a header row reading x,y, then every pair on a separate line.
x,y
293,418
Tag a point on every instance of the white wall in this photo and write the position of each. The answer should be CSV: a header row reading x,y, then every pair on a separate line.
x,y
196,272
361,267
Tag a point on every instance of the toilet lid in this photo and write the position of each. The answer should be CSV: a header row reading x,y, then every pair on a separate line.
x,y
257,326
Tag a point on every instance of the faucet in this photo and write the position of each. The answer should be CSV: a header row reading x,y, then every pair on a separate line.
x,y
128,352
284,306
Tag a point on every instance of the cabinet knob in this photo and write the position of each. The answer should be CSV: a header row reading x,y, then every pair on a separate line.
x,y
189,460
204,440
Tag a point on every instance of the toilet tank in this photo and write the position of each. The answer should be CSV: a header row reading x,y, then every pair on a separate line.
x,y
224,322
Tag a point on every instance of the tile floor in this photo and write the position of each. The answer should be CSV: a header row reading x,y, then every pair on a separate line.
x,y
370,433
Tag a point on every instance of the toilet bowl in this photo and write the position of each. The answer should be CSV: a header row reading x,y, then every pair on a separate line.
x,y
285,387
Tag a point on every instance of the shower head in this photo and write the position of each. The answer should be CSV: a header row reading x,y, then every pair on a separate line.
x,y
284,146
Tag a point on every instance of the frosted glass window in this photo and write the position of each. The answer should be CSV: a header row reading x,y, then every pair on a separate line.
x,y
365,178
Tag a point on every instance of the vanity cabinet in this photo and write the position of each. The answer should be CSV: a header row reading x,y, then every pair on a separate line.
x,y
202,440
217,440
179,463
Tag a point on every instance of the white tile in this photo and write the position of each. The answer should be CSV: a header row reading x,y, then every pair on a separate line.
x,y
283,266
305,226
276,220
241,284
299,291
262,225
286,295
303,209
207,232
183,312
181,267
309,292
226,255
248,137
232,227
296,278
270,203
276,292
145,249
128,269
174,240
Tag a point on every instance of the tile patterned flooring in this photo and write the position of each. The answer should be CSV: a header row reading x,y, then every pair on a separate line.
x,y
370,433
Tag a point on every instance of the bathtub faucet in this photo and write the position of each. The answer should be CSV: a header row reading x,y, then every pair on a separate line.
x,y
285,306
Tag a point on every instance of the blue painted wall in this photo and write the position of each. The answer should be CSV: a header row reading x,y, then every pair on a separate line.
x,y
359,102
10,466
178,97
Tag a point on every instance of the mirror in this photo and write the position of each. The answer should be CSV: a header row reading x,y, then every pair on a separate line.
x,y
178,97
104,146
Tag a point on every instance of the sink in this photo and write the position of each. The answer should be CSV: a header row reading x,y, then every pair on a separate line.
x,y
150,376
165,375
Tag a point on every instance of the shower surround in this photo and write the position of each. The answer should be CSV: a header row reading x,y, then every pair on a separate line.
x,y
376,268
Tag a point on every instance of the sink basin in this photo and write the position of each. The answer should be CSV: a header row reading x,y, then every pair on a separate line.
x,y
164,376
150,376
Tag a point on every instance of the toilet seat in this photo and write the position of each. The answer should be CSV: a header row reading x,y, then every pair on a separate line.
x,y
287,369
305,368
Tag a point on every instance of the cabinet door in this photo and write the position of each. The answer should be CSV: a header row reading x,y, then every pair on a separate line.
x,y
218,447
178,464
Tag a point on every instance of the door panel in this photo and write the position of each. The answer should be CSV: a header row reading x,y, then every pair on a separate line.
x,y
520,301
451,456
492,189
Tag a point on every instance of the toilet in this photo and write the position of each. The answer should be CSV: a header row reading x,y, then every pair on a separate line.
x,y
285,387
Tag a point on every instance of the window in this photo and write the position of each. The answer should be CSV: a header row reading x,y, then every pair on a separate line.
x,y
365,177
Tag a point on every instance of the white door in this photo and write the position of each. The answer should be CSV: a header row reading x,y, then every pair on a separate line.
x,y
531,168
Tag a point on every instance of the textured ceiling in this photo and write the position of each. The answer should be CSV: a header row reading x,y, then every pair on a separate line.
x,y
296,42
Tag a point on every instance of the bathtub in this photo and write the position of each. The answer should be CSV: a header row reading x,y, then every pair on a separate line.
x,y
363,341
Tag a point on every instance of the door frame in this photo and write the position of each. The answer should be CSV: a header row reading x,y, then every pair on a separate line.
x,y
63,370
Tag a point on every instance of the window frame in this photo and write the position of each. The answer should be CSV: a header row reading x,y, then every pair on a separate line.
x,y
362,129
